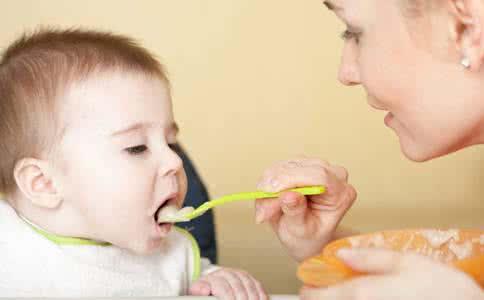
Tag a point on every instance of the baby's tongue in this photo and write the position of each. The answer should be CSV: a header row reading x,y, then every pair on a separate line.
x,y
171,214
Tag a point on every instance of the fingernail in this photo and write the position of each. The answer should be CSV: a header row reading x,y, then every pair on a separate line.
x,y
266,187
271,186
290,202
274,184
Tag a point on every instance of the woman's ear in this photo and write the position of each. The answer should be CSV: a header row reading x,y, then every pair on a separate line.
x,y
34,179
467,31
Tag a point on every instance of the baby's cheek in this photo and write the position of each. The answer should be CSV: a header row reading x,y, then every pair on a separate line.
x,y
183,182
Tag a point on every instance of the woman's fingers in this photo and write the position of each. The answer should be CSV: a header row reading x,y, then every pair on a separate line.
x,y
295,207
357,289
379,261
340,172
291,174
304,224
267,209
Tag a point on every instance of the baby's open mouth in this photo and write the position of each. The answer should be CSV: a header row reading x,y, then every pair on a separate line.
x,y
170,213
166,205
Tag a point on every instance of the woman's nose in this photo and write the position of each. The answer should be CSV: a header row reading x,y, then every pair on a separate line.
x,y
349,70
171,163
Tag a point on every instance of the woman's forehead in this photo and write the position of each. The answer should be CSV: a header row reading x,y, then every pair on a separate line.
x,y
363,12
344,7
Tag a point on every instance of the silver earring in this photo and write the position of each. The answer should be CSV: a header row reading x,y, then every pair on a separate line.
x,y
465,62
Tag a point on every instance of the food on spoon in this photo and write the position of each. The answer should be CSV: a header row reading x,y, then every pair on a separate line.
x,y
171,214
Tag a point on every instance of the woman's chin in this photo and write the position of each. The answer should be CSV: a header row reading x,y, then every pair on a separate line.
x,y
418,152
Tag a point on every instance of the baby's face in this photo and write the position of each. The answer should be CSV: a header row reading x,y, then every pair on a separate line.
x,y
116,166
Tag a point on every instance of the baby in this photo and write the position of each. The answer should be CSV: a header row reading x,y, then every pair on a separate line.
x,y
86,165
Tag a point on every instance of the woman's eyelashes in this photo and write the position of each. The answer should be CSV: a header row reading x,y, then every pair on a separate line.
x,y
351,35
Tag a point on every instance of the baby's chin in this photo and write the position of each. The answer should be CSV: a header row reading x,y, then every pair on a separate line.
x,y
148,245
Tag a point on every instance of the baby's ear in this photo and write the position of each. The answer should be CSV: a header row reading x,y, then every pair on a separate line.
x,y
34,179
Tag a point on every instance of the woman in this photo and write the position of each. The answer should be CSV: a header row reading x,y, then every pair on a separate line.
x,y
422,61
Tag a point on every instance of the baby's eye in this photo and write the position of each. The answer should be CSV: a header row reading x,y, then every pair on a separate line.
x,y
136,150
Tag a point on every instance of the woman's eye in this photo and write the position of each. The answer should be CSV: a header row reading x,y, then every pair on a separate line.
x,y
348,35
136,149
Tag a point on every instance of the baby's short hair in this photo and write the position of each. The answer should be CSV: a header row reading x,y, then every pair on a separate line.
x,y
36,70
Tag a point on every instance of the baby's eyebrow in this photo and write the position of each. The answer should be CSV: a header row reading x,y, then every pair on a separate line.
x,y
140,125
132,127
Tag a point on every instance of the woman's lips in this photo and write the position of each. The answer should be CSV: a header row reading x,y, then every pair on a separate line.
x,y
388,118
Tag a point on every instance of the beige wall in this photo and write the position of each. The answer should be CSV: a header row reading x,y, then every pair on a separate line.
x,y
254,82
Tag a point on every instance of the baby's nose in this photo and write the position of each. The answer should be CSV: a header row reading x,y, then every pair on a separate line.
x,y
171,163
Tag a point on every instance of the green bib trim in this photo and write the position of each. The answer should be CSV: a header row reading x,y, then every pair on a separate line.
x,y
196,253
65,240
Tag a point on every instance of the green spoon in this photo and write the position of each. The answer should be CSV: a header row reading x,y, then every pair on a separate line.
x,y
186,214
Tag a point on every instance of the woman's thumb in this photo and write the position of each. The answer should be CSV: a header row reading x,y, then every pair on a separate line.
x,y
375,261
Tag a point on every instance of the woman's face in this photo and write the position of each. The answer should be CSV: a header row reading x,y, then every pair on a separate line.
x,y
410,67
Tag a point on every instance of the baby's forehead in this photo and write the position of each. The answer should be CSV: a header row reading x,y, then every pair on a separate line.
x,y
109,100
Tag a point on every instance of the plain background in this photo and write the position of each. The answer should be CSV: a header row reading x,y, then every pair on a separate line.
x,y
254,81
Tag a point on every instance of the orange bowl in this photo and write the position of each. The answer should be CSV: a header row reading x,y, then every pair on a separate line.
x,y
462,249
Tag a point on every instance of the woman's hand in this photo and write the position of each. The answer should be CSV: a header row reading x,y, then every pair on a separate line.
x,y
304,224
398,276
